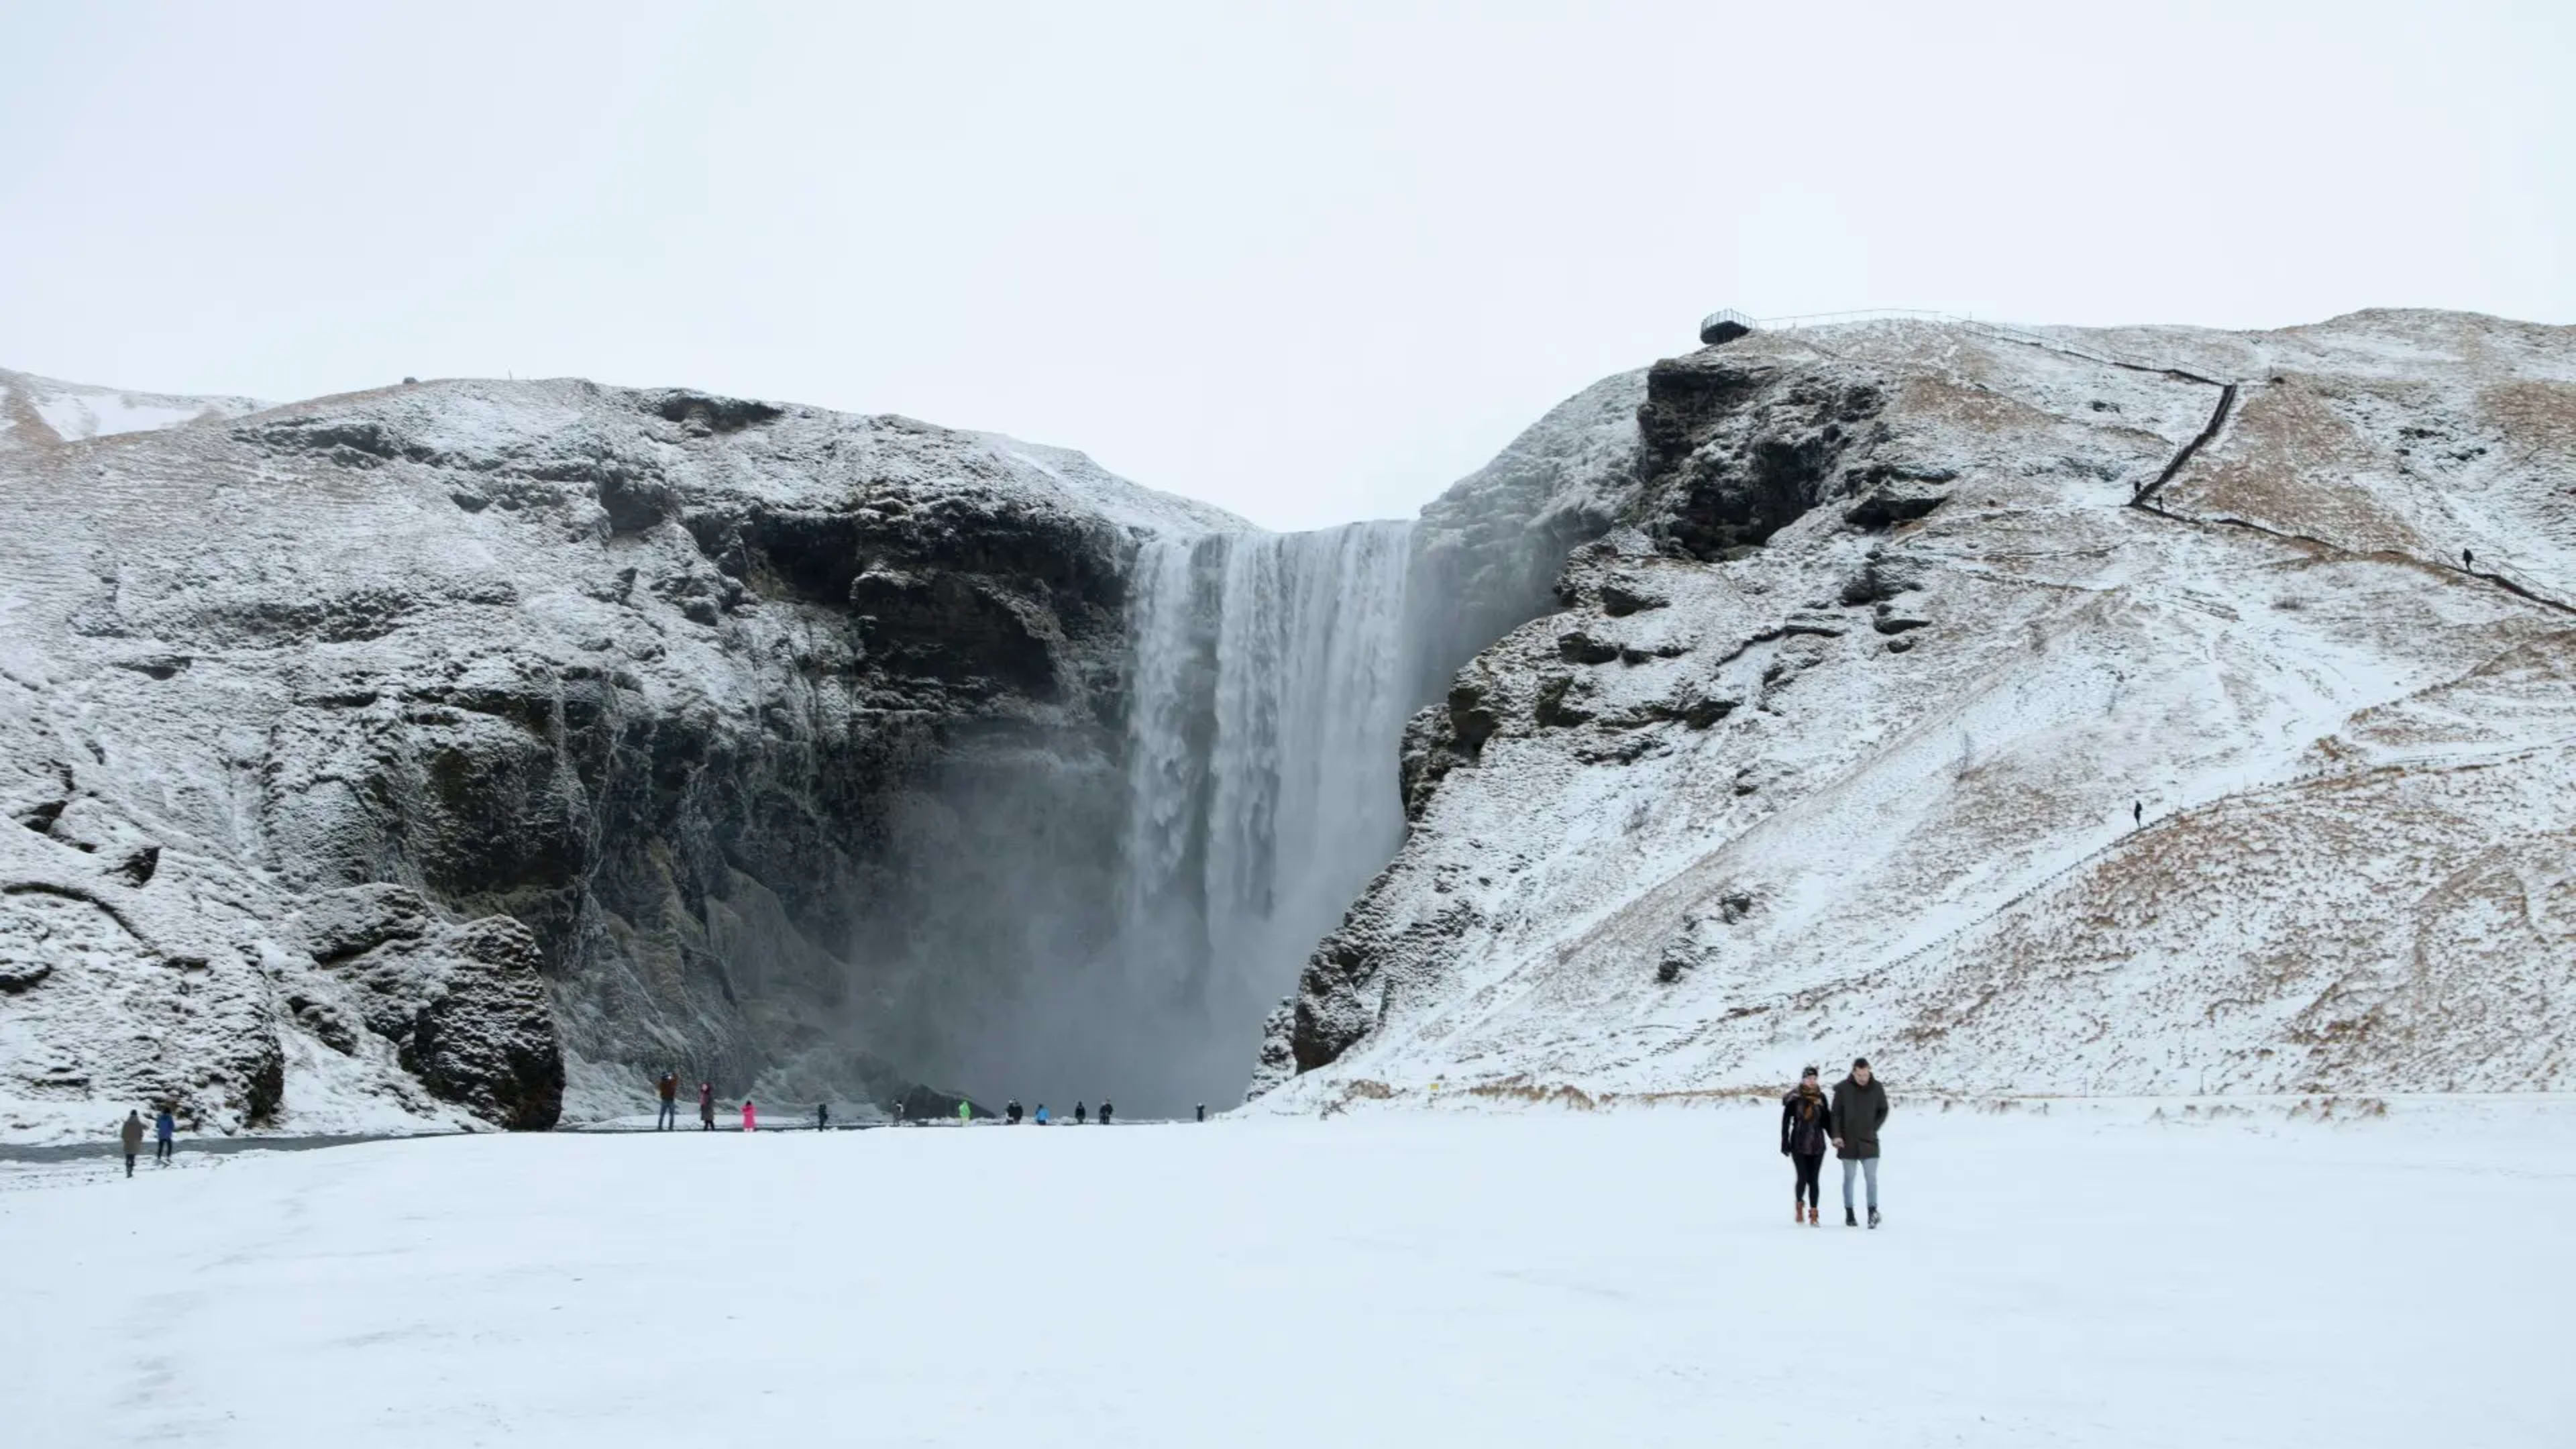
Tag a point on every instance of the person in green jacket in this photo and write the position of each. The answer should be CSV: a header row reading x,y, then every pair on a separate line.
x,y
965,1114
1860,1108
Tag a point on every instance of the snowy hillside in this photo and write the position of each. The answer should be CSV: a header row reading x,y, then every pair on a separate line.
x,y
472,751
427,755
1835,748
41,412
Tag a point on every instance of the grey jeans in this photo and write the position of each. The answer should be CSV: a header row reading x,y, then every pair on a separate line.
x,y
1868,1167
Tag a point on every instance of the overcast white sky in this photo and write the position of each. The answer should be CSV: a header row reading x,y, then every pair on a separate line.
x,y
1310,264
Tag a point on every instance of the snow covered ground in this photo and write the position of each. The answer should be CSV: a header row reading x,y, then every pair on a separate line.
x,y
2072,1274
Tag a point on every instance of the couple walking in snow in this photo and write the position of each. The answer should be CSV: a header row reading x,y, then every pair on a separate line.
x,y
130,1137
1849,1121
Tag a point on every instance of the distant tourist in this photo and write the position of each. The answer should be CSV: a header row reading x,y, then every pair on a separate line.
x,y
2469,559
1202,1111
1081,1114
1041,1114
1860,1107
1805,1131
750,1119
822,1117
669,1087
131,1134
1011,1113
965,1113
163,1129
706,1106
1105,1110
2138,812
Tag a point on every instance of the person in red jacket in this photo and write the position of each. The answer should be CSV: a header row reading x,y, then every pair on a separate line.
x,y
749,1122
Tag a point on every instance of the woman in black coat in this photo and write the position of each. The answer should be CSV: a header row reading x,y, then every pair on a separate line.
x,y
1805,1132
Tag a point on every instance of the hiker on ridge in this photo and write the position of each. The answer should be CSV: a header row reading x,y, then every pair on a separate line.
x,y
1806,1127
1860,1108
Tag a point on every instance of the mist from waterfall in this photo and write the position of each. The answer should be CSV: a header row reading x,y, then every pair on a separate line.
x,y
1270,689
1115,915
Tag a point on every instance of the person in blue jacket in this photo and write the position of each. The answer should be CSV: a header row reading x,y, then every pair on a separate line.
x,y
1040,1114
162,1130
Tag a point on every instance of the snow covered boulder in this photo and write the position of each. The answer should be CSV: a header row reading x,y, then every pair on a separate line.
x,y
463,1005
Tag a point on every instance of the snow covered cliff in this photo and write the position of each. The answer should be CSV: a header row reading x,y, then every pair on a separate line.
x,y
2142,711
422,755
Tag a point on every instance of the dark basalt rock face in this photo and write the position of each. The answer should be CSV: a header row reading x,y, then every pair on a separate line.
x,y
1734,446
464,1005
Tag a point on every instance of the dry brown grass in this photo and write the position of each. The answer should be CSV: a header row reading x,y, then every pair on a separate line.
x,y
2338,1109
2286,461
1522,1089
2540,418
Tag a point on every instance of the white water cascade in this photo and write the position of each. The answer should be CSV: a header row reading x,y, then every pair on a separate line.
x,y
1270,692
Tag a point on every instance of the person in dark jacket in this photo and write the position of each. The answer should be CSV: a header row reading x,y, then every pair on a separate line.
x,y
1105,1110
1011,1113
706,1106
131,1135
1081,1114
668,1117
163,1129
1860,1108
1804,1132
822,1116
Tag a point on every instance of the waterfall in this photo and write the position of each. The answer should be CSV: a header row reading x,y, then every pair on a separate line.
x,y
1268,702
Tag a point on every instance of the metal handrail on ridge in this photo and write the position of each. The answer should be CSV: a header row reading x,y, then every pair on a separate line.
x,y
1806,320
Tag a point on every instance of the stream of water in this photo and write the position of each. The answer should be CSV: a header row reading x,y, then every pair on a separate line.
x,y
1271,687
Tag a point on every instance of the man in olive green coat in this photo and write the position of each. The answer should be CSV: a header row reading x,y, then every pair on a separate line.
x,y
1860,1106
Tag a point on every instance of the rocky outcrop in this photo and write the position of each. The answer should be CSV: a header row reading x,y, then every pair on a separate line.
x,y
452,751
464,1005
1835,744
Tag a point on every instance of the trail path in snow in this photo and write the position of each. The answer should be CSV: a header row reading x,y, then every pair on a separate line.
x,y
2146,502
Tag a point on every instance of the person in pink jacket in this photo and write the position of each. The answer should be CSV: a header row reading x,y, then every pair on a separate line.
x,y
748,1124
